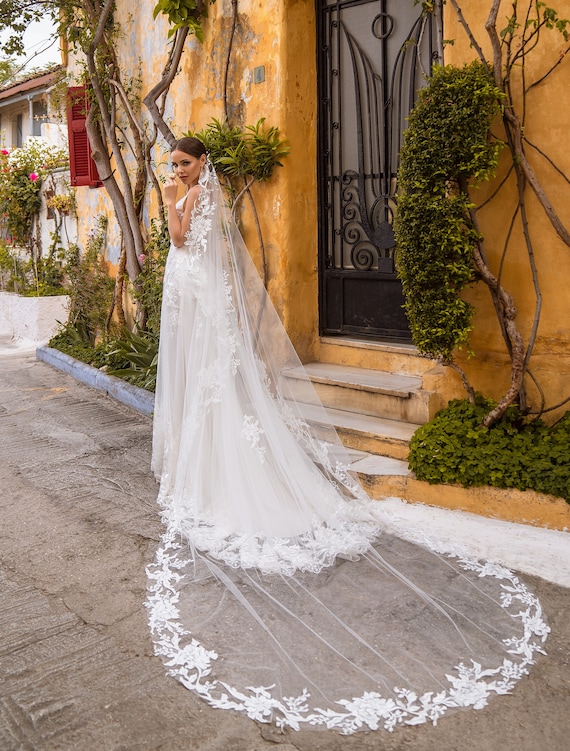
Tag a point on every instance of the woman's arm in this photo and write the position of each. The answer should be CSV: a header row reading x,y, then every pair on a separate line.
x,y
177,228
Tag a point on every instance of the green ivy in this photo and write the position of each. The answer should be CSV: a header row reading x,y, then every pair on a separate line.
x,y
447,144
516,452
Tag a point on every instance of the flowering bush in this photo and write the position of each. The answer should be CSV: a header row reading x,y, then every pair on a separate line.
x,y
21,174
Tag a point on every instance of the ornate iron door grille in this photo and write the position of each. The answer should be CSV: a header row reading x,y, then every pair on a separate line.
x,y
372,58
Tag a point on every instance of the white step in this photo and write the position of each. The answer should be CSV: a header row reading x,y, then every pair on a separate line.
x,y
366,433
386,356
363,391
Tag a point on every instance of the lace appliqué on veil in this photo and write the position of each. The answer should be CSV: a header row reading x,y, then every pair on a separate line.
x,y
470,685
231,437
252,433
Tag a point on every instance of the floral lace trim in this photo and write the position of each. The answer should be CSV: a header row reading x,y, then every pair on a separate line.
x,y
202,212
347,534
470,685
186,262
252,433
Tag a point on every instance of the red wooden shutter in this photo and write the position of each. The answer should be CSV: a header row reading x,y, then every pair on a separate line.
x,y
81,166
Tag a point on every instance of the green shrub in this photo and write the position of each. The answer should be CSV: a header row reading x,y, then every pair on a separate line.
x,y
139,352
447,147
516,452
132,357
76,344
90,286
148,287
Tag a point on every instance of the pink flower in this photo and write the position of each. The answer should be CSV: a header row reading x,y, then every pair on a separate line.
x,y
142,258
5,152
34,176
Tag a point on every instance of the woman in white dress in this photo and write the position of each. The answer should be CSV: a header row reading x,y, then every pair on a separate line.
x,y
280,590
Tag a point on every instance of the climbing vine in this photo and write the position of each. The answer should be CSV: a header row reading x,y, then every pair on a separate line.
x,y
23,172
440,244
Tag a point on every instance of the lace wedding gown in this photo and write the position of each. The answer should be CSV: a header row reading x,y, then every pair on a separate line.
x,y
280,590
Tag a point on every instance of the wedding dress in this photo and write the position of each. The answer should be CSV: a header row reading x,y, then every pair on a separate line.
x,y
279,589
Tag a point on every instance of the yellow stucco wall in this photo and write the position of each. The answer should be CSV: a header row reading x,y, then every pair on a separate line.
x,y
547,125
280,35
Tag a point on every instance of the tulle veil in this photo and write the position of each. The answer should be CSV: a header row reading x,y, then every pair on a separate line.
x,y
279,589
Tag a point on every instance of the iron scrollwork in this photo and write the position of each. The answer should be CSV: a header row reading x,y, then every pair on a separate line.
x,y
370,70
366,231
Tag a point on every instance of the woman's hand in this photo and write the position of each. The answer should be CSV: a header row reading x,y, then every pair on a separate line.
x,y
170,189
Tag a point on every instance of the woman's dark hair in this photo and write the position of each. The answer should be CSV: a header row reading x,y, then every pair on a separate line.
x,y
190,145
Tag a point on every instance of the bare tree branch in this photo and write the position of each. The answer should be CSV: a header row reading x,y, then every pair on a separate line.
x,y
467,30
561,57
228,57
170,70
533,181
491,28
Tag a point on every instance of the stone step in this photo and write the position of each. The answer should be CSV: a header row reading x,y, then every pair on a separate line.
x,y
366,433
389,357
381,476
392,396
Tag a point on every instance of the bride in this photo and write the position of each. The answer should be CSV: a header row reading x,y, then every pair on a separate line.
x,y
279,589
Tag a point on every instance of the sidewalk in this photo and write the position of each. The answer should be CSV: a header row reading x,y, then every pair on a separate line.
x,y
79,524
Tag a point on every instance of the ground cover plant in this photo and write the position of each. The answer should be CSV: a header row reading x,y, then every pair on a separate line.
x,y
515,452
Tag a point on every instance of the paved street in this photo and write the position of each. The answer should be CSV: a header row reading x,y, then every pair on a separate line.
x,y
77,672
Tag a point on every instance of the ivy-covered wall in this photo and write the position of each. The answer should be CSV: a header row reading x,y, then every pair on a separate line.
x,y
546,126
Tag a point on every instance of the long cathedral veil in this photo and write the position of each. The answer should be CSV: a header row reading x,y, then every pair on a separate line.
x,y
279,589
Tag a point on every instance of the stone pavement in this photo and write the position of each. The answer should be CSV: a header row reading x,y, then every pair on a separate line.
x,y
77,673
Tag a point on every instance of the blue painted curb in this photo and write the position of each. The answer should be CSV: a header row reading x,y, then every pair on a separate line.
x,y
138,399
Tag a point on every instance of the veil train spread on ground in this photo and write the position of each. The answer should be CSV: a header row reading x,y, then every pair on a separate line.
x,y
279,589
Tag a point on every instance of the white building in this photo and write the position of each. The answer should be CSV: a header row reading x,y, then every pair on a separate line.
x,y
25,111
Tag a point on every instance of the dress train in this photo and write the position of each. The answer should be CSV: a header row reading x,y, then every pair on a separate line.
x,y
279,589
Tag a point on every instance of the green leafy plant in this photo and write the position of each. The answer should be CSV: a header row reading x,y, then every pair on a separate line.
x,y
148,288
253,152
64,203
74,343
455,447
447,145
141,351
243,157
90,286
184,13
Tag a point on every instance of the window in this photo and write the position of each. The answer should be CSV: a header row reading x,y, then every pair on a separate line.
x,y
39,111
17,137
81,166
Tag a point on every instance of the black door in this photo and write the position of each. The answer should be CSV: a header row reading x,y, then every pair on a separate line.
x,y
373,57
